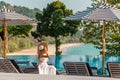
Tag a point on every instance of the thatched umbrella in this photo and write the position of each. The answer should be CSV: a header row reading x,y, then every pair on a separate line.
x,y
10,18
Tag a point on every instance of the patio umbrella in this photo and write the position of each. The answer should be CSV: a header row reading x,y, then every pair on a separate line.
x,y
79,15
10,18
102,13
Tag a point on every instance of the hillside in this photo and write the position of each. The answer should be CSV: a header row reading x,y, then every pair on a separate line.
x,y
21,9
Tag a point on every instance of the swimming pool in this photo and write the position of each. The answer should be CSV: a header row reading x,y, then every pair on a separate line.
x,y
57,61
83,49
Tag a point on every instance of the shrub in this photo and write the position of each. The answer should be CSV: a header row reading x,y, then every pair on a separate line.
x,y
12,46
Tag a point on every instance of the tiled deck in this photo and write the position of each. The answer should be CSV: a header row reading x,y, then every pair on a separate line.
x,y
16,76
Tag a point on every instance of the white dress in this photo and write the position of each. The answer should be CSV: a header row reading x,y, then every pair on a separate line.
x,y
44,68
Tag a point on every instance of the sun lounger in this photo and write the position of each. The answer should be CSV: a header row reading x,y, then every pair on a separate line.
x,y
114,69
8,66
77,68
16,66
23,62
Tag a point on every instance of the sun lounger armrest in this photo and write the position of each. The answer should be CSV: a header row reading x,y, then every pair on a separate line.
x,y
16,66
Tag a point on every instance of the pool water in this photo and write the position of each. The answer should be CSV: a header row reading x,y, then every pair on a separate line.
x,y
83,49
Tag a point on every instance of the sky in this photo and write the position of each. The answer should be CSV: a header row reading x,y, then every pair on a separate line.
x,y
75,5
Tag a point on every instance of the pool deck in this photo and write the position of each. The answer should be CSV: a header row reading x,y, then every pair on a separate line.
x,y
18,76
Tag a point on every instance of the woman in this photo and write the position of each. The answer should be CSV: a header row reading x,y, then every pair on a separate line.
x,y
43,58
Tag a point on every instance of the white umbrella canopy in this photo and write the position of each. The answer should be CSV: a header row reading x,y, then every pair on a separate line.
x,y
79,15
14,18
10,18
103,13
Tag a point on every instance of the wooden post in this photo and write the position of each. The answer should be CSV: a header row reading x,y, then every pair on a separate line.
x,y
103,46
4,29
105,1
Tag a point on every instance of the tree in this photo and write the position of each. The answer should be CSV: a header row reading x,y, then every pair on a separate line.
x,y
114,39
53,25
21,31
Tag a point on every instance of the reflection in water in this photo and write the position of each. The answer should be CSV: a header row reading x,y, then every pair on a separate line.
x,y
93,60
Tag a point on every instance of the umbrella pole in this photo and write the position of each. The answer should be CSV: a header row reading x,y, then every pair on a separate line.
x,y
105,1
103,45
4,28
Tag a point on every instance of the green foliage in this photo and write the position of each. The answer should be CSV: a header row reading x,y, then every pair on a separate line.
x,y
114,39
113,49
22,10
52,23
1,47
26,11
113,2
24,43
17,43
12,46
92,33
21,31
96,2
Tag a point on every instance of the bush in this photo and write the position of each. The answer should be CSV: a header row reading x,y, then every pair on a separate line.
x,y
16,44
12,46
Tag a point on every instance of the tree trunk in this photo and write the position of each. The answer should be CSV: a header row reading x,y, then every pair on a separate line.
x,y
57,46
119,28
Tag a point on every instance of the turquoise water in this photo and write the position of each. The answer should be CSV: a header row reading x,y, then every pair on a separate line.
x,y
87,49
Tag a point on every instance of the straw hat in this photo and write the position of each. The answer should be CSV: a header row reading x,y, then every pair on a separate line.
x,y
42,50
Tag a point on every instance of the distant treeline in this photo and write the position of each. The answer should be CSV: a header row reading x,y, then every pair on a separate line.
x,y
20,9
